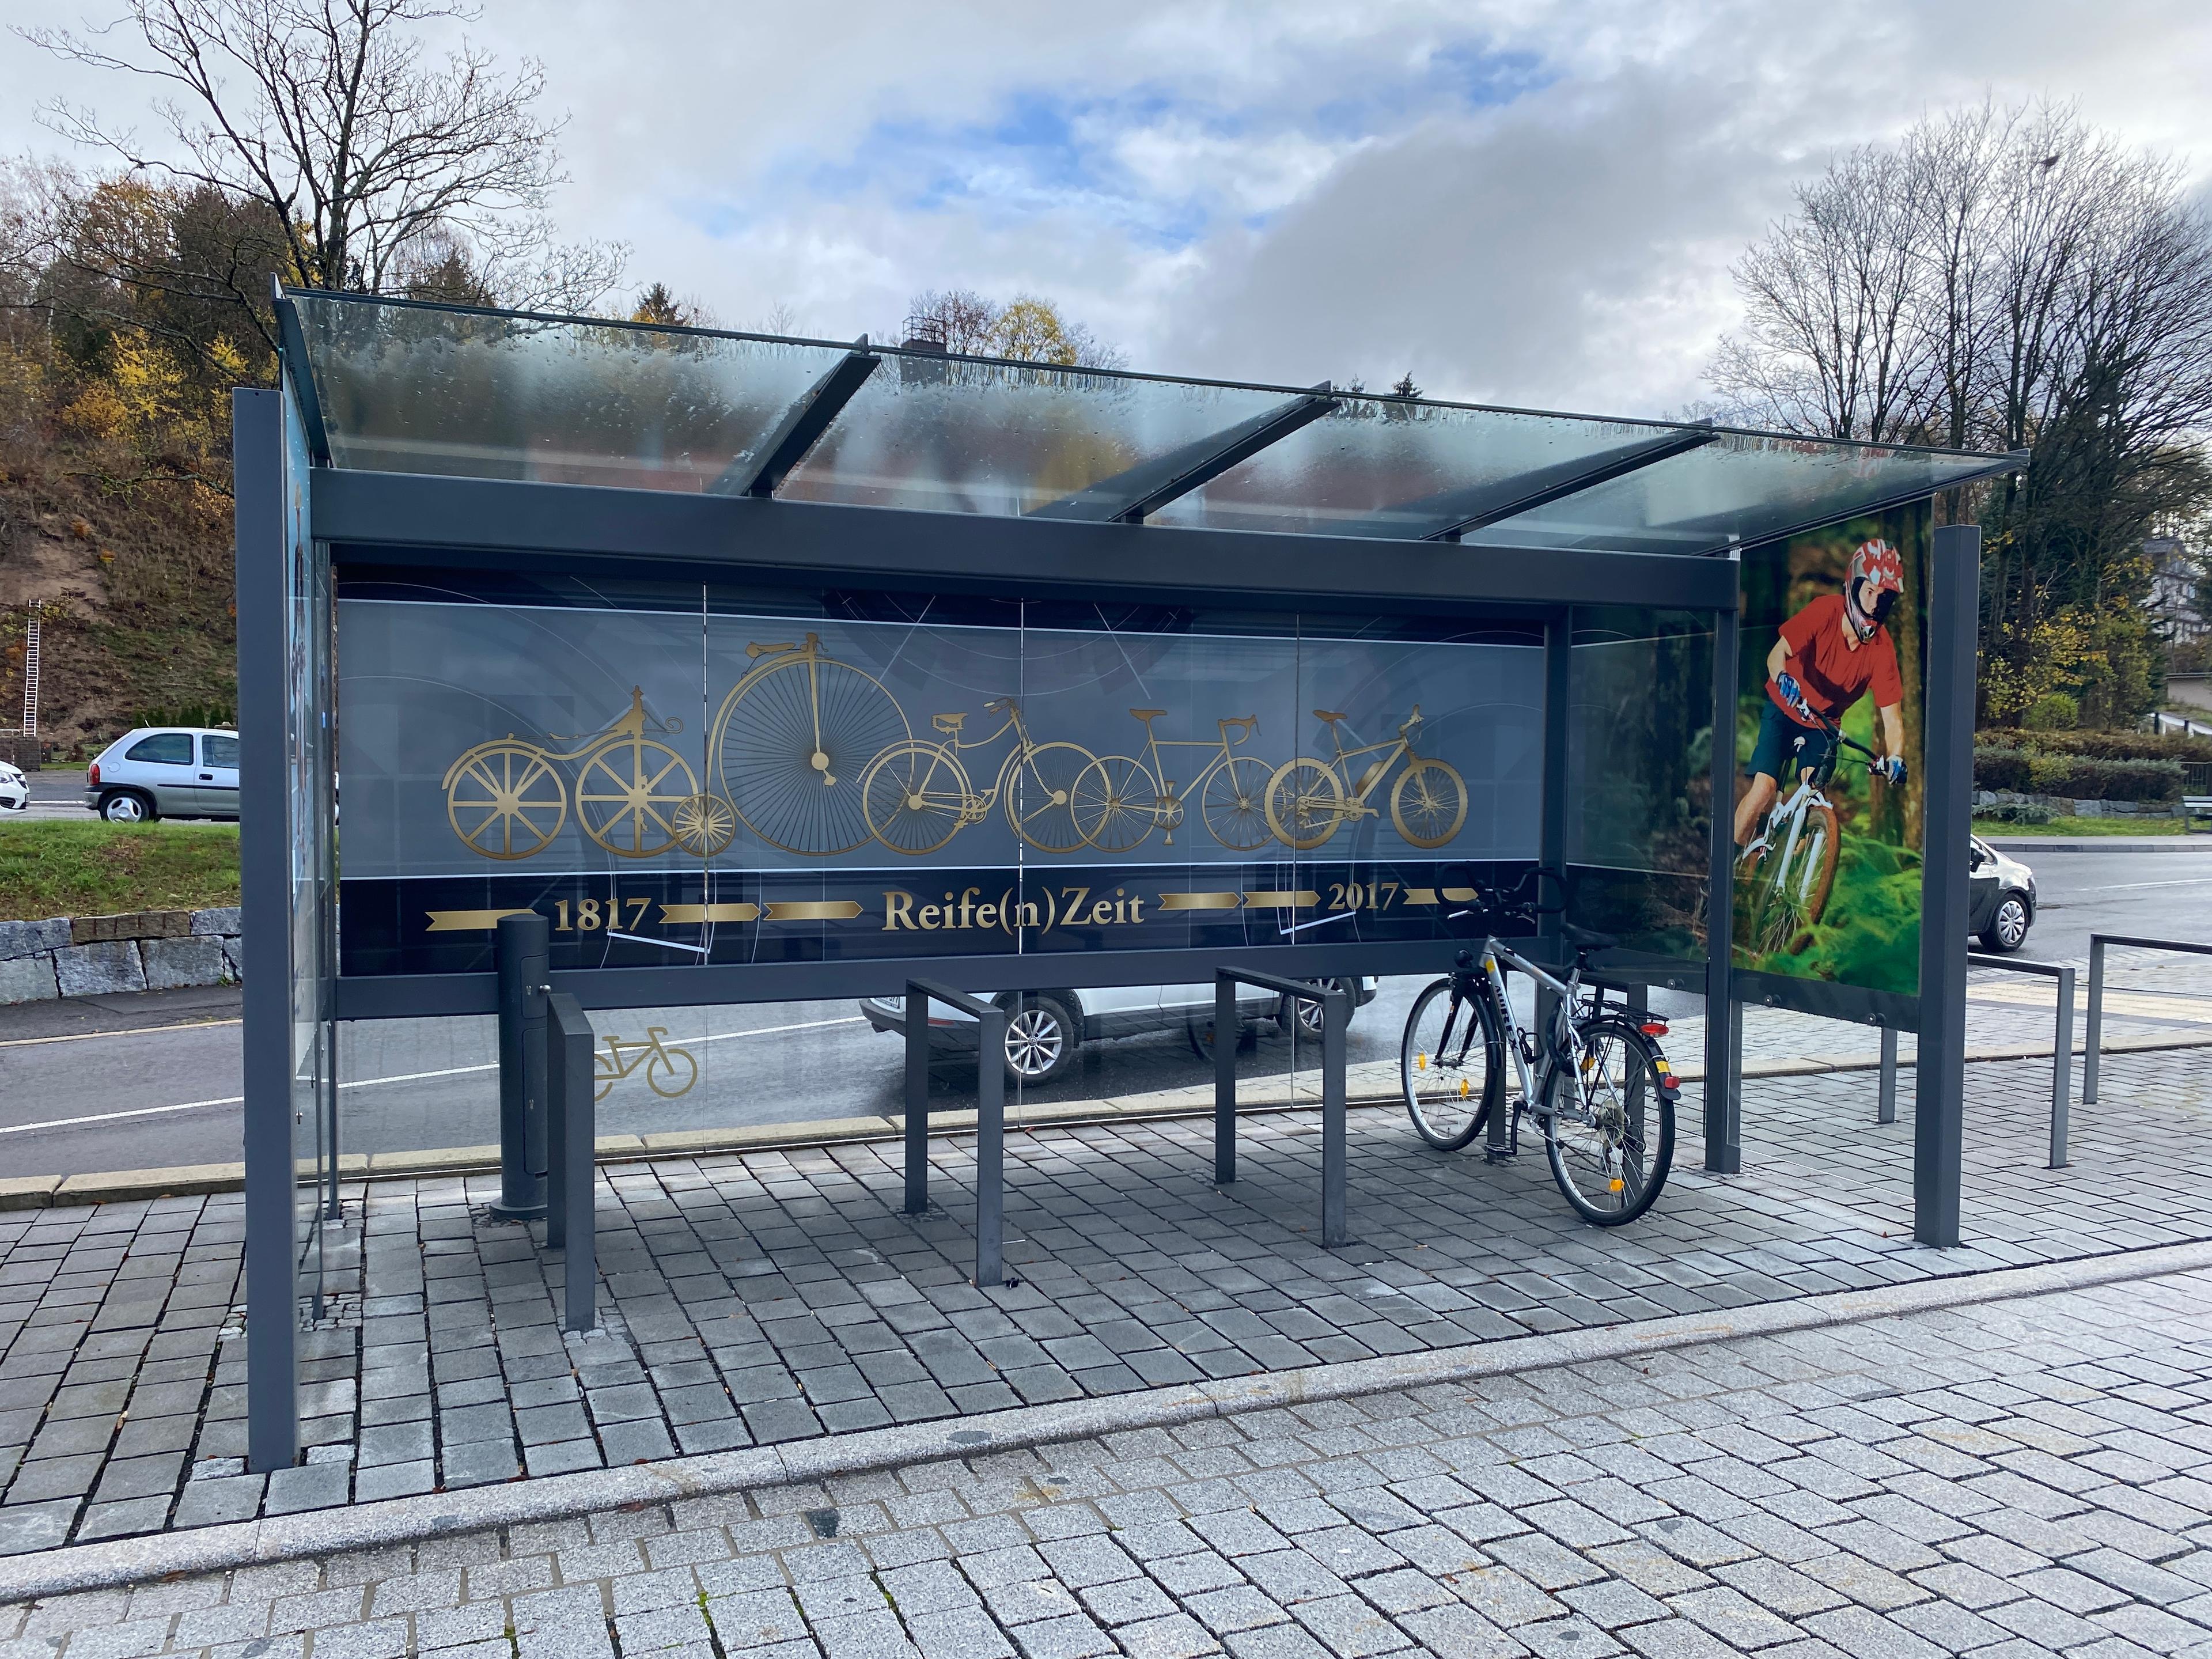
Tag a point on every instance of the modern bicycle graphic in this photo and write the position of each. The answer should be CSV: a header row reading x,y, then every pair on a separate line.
x,y
792,742
668,1072
1120,801
918,796
1308,799
1788,870
635,795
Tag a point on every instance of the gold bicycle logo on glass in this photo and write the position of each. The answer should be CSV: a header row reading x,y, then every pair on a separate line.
x,y
669,1072
815,757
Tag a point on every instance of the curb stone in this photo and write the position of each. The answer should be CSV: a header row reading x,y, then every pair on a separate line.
x,y
125,1186
399,1520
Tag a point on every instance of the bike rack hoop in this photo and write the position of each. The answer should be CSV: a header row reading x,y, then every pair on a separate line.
x,y
2062,1052
1335,1004
571,1211
990,1117
2095,1043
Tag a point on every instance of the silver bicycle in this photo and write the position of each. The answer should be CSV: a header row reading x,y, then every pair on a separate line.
x,y
1595,1080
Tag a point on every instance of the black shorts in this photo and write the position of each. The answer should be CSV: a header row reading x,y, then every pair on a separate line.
x,y
1779,734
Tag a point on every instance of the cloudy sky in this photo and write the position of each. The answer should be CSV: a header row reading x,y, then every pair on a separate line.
x,y
1519,202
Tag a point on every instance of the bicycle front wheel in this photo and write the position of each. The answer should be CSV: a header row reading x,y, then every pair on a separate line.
x,y
1040,797
1116,803
1305,803
1235,803
1793,890
1428,804
792,746
672,1072
1452,1063
1612,1143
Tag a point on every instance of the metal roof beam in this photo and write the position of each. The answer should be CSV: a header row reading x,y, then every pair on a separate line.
x,y
1127,497
801,428
1446,516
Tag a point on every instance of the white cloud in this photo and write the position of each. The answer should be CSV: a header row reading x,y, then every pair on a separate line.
x,y
1533,202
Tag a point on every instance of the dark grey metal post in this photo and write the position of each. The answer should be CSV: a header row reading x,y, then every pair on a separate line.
x,y
917,1102
2062,1068
521,952
1552,827
1947,763
1723,1017
1225,1077
333,1210
991,1149
1336,1015
2095,1035
571,1216
1885,1106
265,833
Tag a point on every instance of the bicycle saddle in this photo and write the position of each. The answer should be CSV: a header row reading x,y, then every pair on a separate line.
x,y
1147,714
1330,715
1586,939
949,722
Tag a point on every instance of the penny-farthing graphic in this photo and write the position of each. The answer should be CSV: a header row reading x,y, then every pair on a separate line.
x,y
792,742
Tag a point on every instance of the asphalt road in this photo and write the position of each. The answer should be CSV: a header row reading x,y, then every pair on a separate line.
x,y
139,1082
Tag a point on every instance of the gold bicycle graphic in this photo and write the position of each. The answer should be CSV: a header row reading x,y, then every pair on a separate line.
x,y
918,795
1120,801
1309,800
663,1065
635,795
794,742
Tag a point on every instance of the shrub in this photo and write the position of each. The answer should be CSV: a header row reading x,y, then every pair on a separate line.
x,y
2098,745
2081,777
2054,711
2020,812
2001,768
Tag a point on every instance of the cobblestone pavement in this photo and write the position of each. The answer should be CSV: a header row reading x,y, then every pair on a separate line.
x,y
2009,1480
777,1296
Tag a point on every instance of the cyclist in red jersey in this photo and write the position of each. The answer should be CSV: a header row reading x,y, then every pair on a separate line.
x,y
1826,657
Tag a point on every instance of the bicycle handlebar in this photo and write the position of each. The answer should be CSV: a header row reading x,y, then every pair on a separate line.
x,y
1835,730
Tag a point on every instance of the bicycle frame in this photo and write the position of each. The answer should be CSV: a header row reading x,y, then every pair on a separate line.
x,y
1533,1087
975,808
1172,795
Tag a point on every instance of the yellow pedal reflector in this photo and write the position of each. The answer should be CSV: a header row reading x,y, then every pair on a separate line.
x,y
1616,1185
1420,1063
1462,1088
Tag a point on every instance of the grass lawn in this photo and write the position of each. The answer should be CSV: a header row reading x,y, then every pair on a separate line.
x,y
58,868
2085,827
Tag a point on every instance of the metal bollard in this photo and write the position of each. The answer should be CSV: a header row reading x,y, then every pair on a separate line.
x,y
1885,1101
524,941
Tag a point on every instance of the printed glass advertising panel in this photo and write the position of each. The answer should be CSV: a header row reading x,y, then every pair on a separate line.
x,y
1831,685
685,775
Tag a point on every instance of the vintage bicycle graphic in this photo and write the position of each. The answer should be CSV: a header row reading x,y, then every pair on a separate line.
x,y
669,1072
815,757
1309,800
635,795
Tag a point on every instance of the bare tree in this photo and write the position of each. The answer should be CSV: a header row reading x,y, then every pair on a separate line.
x,y
373,165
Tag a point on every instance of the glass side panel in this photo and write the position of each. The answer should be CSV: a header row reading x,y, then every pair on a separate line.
x,y
1377,467
1741,489
957,436
405,389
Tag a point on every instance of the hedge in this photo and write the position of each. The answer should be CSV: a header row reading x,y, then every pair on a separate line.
x,y
2098,745
2078,777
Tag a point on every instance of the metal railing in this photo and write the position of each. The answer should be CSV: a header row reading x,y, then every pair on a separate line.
x,y
1336,1015
572,1137
2096,1034
990,1117
2062,1052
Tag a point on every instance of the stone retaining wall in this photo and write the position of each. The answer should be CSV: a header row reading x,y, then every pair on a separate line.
x,y
95,956
2068,807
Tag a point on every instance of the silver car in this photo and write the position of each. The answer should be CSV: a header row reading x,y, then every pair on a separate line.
x,y
1045,1028
165,772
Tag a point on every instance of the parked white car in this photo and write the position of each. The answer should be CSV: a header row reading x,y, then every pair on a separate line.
x,y
165,772
15,789
1044,1029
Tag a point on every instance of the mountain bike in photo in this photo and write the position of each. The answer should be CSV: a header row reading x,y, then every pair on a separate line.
x,y
917,796
1594,1078
1309,800
1787,872
792,742
1120,801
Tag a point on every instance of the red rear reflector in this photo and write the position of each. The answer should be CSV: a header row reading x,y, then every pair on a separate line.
x,y
1654,1028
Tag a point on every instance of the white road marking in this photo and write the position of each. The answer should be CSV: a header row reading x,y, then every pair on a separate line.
x,y
358,1083
2124,886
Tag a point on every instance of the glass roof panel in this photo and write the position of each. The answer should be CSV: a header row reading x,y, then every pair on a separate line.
x,y
418,389
954,435
1741,487
1382,467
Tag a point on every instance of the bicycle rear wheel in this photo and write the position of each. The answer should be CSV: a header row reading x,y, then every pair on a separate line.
x,y
1610,1150
1452,1063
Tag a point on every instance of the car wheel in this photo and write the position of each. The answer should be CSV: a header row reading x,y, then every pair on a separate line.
x,y
127,806
1309,1015
2007,928
1042,1038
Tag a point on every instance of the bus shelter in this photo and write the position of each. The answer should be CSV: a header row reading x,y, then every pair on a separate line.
x,y
766,668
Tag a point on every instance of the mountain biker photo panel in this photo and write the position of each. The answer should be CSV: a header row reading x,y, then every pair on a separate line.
x,y
1827,813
